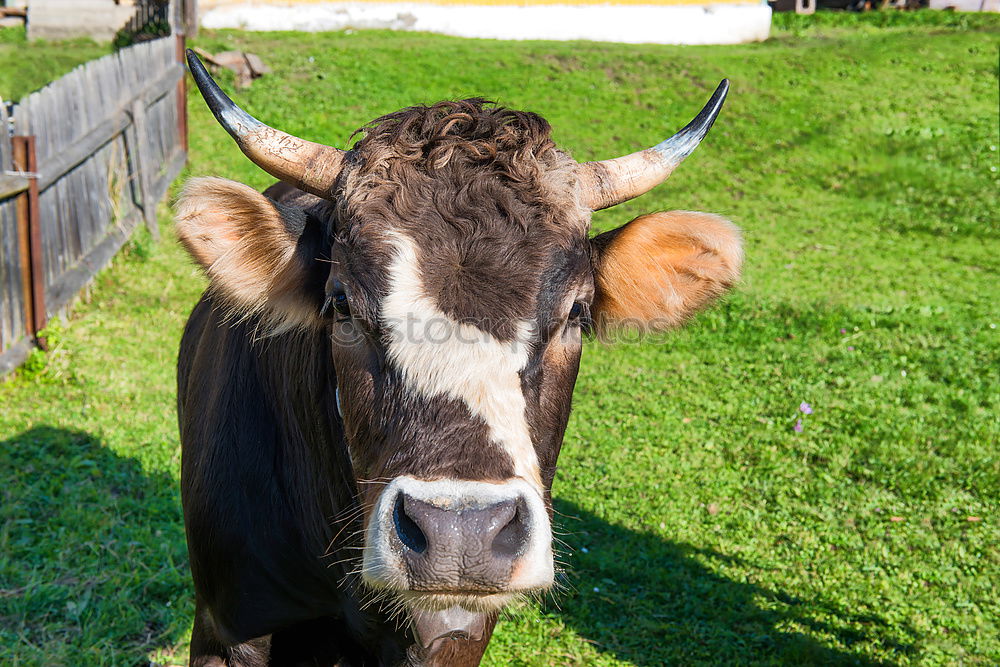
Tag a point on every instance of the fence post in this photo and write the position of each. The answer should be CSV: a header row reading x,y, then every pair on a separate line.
x,y
182,119
190,18
24,247
182,20
30,233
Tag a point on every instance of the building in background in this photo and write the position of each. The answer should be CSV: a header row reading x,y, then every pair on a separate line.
x,y
65,19
630,21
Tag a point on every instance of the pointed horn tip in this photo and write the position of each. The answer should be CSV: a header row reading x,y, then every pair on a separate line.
x,y
721,91
618,179
718,95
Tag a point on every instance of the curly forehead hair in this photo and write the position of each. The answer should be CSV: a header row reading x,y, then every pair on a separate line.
x,y
472,132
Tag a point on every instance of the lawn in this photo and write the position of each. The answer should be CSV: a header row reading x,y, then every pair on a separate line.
x,y
698,524
27,68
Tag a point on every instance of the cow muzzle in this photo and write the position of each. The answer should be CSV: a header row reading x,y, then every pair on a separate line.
x,y
451,548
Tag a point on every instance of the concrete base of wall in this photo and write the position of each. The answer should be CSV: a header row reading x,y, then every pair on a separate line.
x,y
66,19
967,5
657,24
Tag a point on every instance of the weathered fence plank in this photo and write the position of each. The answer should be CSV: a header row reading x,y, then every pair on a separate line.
x,y
97,137
144,167
12,184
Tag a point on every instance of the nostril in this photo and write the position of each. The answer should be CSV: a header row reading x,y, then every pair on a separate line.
x,y
407,529
510,540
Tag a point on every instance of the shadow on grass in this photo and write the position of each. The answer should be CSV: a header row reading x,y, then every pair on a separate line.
x,y
93,571
93,562
654,602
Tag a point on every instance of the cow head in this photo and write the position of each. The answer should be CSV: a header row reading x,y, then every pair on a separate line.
x,y
448,258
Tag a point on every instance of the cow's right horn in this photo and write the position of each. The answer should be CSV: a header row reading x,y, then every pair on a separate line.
x,y
306,165
611,182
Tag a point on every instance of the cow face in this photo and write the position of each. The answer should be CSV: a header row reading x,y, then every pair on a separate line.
x,y
463,271
447,257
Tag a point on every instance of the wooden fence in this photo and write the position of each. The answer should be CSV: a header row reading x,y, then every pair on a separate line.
x,y
91,156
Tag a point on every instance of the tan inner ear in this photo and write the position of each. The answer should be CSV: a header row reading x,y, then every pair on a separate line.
x,y
239,238
659,269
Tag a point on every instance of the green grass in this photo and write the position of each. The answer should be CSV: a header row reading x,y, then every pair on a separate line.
x,y
28,67
700,526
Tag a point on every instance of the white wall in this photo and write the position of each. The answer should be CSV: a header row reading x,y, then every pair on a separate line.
x,y
659,24
64,19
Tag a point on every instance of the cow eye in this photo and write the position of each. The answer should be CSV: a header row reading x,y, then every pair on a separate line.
x,y
340,303
337,300
579,317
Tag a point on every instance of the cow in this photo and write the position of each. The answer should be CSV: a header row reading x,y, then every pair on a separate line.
x,y
374,388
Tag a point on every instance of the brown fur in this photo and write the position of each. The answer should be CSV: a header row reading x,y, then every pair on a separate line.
x,y
483,192
659,269
515,145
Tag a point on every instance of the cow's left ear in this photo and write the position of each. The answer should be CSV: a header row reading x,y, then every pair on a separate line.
x,y
656,271
260,256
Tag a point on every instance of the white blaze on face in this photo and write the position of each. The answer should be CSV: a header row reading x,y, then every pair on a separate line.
x,y
439,356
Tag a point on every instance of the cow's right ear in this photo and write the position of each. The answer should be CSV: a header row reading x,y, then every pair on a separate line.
x,y
261,258
656,271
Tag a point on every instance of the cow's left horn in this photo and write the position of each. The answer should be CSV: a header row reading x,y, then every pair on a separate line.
x,y
610,182
306,165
